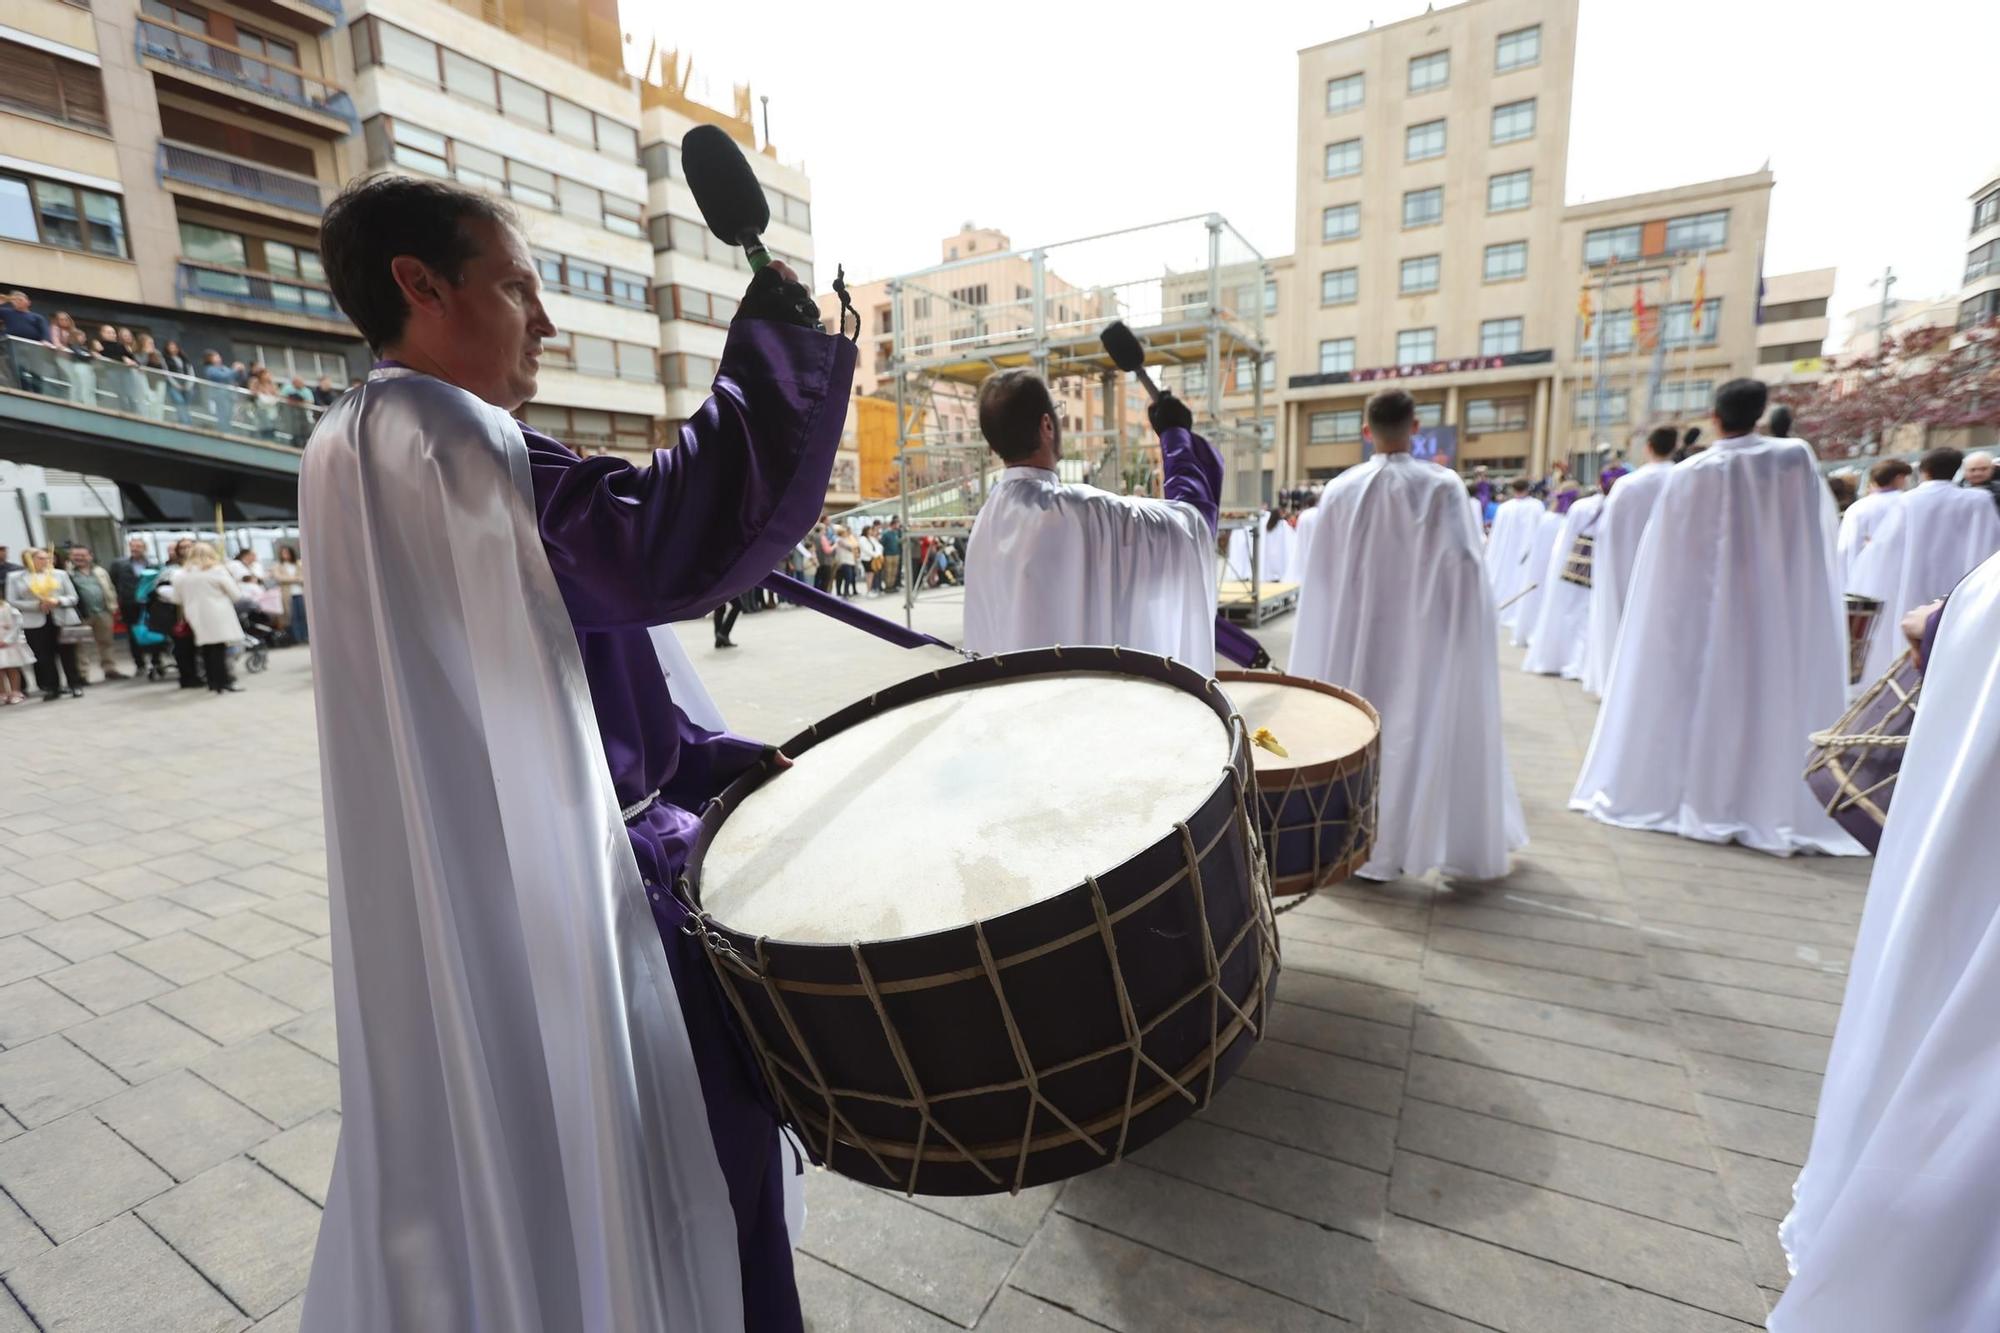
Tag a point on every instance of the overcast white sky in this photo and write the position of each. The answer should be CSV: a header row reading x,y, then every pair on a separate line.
x,y
1050,121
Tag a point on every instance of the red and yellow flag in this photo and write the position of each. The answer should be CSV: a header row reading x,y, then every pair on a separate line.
x,y
1700,291
1642,319
1584,310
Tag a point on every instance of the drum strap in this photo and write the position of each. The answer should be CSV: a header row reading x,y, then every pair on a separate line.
x,y
637,808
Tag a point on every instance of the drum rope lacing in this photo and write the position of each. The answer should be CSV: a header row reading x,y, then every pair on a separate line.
x,y
1832,744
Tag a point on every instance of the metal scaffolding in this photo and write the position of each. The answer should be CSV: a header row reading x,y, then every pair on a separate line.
x,y
1193,289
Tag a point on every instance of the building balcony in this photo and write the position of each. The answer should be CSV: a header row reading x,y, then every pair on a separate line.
x,y
227,75
234,181
316,15
199,284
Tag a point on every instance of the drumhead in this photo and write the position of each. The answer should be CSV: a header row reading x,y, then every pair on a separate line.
x,y
960,806
1314,727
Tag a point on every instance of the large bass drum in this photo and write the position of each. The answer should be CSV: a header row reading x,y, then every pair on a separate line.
x,y
998,924
1856,761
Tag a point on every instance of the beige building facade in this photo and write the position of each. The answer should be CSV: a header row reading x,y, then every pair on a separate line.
x,y
1792,334
1979,298
1435,250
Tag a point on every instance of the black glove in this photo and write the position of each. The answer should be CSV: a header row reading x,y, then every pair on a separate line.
x,y
769,296
1167,411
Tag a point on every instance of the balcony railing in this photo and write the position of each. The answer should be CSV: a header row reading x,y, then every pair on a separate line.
x,y
234,175
156,395
204,281
330,6
238,68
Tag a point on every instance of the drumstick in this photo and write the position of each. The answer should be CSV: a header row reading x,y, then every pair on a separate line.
x,y
1517,596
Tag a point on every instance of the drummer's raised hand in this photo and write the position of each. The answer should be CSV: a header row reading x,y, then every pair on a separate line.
x,y
1167,412
1914,626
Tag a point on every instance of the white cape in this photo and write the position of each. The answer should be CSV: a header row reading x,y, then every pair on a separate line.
x,y
1527,612
1894,1226
1562,615
1733,651
1627,510
1860,525
1933,537
1302,535
1273,546
1507,543
1395,606
523,1141
683,682
1050,563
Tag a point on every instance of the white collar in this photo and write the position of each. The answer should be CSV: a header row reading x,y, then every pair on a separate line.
x,y
1023,472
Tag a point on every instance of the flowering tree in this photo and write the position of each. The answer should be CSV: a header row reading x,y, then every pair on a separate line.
x,y
1926,377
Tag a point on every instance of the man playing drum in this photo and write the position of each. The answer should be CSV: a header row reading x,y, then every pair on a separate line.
x,y
546,1121
1056,564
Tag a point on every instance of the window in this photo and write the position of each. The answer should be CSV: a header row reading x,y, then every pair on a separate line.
x,y
104,224
407,52
1239,375
628,288
524,102
571,121
1419,275
637,363
1514,120
1608,244
788,209
626,218
1610,332
1518,49
470,79
532,185
593,355
1500,337
1809,309
209,245
1430,415
1340,222
1508,191
1976,310
617,140
42,84
1509,259
1343,158
1338,286
1676,323
685,370
1421,142
1612,405
1421,208
1343,94
691,303
1336,355
662,161
1414,346
1270,296
1431,71
1684,395
1981,261
1782,353
1987,211
1491,415
572,197
1698,231
420,150
1334,427
480,169
17,211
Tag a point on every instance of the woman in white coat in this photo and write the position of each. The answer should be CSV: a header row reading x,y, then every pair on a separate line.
x,y
208,598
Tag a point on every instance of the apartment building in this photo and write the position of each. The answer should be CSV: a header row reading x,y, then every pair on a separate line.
x,y
1435,249
1793,326
1979,298
531,102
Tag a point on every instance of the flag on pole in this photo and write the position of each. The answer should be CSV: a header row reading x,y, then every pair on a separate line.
x,y
1700,289
1584,310
1760,285
1642,319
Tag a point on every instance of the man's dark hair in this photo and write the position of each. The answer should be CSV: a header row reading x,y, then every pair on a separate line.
x,y
1391,409
1521,485
1011,407
378,218
1661,441
1888,472
1739,404
1781,422
1941,464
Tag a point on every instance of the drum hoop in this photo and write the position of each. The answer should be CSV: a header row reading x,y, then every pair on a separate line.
x,y
1278,779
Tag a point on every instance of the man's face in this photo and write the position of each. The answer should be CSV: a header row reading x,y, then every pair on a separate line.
x,y
137,548
80,557
494,319
19,300
1978,470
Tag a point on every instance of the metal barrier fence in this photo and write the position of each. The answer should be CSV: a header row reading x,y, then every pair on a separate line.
x,y
155,395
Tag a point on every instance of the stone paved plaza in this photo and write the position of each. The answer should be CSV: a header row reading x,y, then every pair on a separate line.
x,y
1575,1100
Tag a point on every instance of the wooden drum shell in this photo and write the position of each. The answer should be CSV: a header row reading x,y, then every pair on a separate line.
x,y
1036,1044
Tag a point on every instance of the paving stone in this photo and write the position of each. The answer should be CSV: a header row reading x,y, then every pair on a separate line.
x,y
1384,940
315,1032
1281,1254
1135,1289
1613,1121
302,1156
1287,1180
1667,1191
941,1267
32,1008
216,898
1696,1268
183,958
113,855
1517,1293
141,1043
190,867
1651,1081
17,917
1370,1087
43,870
1015,1311
1393,1314
82,937
838,1302
1787,929
74,1173
1791,1090
107,983
60,902
285,1319
1575,959
131,883
183,1124
1758,1185
1374,969
21,957
224,1009
243,1229
291,978
1339,1034
1609,936
1336,995
1359,1138
1748,1006
1758,1130
47,1079
320,949
1009,1217
272,881
303,911
274,1078
1765,1254
152,917
250,934
1364,912
1554,1022
120,1278
1753,1042
20,1239
1536,983
1811,983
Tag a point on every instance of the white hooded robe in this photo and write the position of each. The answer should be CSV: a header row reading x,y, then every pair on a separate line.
x,y
1562,617
1628,508
1933,537
1507,543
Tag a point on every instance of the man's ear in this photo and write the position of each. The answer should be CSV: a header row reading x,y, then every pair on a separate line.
x,y
420,285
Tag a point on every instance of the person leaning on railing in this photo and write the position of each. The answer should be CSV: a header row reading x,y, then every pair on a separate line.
x,y
180,381
221,391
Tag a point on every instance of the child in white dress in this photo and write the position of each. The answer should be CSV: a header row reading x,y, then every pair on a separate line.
x,y
14,654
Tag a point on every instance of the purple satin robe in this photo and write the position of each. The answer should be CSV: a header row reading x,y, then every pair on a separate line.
x,y
635,547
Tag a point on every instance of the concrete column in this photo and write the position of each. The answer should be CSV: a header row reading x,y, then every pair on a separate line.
x,y
1538,452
